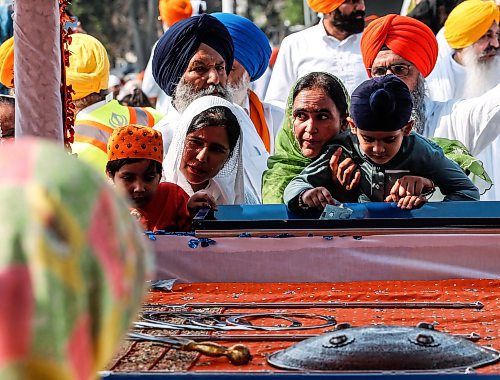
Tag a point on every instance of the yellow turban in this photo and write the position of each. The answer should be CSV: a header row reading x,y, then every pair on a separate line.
x,y
469,21
324,6
7,63
172,11
88,70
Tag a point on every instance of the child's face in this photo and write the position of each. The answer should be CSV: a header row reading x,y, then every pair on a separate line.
x,y
138,181
380,147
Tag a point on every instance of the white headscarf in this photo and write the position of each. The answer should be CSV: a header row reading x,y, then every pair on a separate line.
x,y
227,187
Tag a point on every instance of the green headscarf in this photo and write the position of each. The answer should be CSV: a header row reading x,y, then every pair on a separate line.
x,y
287,161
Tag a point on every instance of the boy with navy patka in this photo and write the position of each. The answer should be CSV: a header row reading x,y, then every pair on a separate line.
x,y
395,164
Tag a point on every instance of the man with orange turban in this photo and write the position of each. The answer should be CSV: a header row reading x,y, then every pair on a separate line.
x,y
331,46
406,47
471,67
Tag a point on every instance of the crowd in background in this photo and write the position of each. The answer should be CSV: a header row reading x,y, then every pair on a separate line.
x,y
352,109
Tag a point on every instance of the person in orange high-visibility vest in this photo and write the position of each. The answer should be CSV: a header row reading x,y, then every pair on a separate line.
x,y
97,113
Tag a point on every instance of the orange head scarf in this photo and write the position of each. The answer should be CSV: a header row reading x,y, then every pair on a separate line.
x,y
405,36
7,63
135,141
172,11
324,6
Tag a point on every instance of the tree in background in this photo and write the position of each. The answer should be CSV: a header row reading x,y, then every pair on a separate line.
x,y
293,12
123,26
126,26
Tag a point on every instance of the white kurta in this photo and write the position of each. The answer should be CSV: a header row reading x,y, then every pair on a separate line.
x,y
151,88
274,116
254,152
259,86
447,80
313,50
443,48
167,125
490,157
476,123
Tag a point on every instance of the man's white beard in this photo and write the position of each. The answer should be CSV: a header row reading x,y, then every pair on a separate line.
x,y
239,90
481,76
185,94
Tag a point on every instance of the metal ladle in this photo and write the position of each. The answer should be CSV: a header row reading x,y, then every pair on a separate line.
x,y
238,354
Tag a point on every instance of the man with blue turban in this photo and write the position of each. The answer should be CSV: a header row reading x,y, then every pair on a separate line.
x,y
251,59
193,59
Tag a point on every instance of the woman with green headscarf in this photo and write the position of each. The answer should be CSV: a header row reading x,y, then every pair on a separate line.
x,y
316,111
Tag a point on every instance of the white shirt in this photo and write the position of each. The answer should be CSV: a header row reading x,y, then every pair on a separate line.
x,y
310,50
447,79
443,48
167,125
254,152
259,86
151,88
476,123
274,116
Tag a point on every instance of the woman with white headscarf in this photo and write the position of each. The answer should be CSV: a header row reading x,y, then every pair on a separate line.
x,y
205,153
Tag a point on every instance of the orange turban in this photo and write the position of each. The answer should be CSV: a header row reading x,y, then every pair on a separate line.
x,y
405,36
469,21
7,63
172,11
324,6
135,141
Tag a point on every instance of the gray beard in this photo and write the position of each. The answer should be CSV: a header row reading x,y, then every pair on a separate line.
x,y
418,111
185,94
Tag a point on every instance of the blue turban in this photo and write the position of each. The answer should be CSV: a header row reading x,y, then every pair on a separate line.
x,y
251,46
381,104
179,44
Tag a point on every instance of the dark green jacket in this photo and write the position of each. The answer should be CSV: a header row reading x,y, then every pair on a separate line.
x,y
417,156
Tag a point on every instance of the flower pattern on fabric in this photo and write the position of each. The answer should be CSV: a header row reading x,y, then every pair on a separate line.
x,y
73,264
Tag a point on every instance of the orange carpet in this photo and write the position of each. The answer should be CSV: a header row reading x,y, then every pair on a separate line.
x,y
485,322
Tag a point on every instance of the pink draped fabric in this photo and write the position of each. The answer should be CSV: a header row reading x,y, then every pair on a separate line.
x,y
315,259
37,69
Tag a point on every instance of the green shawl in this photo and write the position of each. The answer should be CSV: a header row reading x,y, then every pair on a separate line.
x,y
287,161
